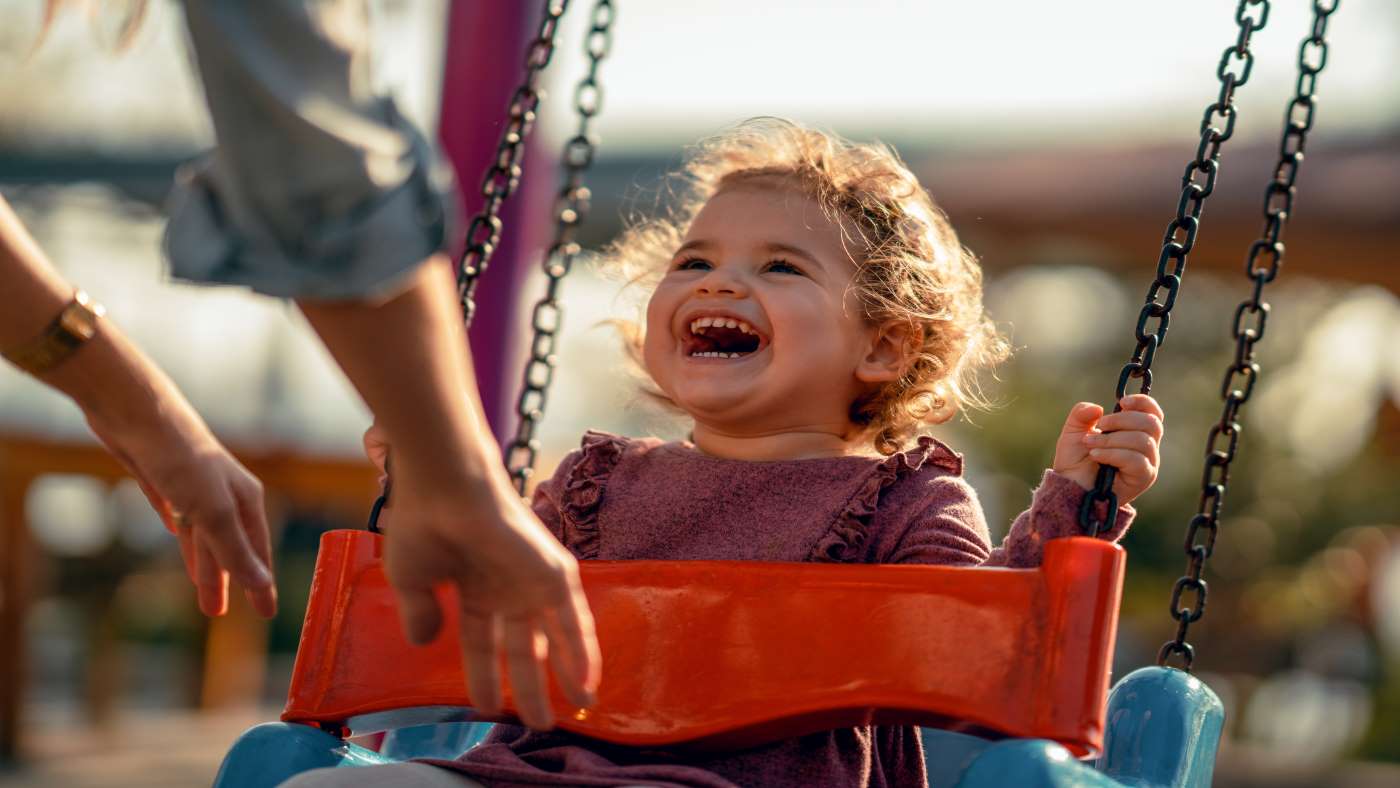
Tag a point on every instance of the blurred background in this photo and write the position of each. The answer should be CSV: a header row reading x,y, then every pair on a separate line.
x,y
1053,134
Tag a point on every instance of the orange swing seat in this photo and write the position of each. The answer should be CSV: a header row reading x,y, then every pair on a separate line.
x,y
736,653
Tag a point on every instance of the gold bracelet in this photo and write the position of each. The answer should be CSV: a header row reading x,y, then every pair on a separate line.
x,y
76,324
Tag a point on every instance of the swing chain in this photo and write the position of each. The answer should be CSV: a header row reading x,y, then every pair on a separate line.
x,y
1251,317
572,206
503,176
1197,184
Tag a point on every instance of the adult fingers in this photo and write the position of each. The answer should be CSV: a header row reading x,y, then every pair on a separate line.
x,y
222,534
248,498
188,554
415,562
376,443
573,648
212,582
525,652
419,611
480,635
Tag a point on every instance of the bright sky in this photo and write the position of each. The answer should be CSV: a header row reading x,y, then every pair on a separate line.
x,y
979,69
952,71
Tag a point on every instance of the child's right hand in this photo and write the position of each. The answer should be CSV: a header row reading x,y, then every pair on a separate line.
x,y
1127,440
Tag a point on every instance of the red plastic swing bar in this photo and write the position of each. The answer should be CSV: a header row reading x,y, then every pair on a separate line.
x,y
736,653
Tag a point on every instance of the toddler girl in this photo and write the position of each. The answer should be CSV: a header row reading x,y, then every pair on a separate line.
x,y
812,310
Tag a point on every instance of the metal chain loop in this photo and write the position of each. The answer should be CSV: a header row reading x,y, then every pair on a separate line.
x,y
572,206
503,176
501,179
1099,510
1251,316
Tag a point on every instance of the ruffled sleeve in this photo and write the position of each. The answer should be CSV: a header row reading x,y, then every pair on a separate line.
x,y
948,526
846,540
568,502
1054,513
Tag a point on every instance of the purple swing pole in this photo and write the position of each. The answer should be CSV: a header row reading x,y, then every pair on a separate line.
x,y
482,65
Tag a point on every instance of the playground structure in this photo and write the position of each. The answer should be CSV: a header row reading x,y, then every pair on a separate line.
x,y
1113,230
1165,726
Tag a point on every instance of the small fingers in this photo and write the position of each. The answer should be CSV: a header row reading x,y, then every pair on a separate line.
x,y
1132,421
1082,417
1140,442
1143,403
1127,461
480,637
525,648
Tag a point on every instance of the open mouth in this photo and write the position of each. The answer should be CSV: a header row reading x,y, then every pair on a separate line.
x,y
722,337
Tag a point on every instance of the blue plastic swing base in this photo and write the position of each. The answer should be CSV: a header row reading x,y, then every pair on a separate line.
x,y
1163,727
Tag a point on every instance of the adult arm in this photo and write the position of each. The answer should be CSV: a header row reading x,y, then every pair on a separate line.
x,y
202,493
319,191
456,518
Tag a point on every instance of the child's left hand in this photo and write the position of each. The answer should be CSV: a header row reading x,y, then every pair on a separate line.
x,y
1127,440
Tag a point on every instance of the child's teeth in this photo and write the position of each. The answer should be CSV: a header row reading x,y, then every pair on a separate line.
x,y
697,325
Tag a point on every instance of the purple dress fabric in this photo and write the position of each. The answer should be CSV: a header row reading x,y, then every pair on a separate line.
x,y
621,498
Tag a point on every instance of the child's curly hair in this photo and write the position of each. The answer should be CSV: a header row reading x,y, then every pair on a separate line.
x,y
909,263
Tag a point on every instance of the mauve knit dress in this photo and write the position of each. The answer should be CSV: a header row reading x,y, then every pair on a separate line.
x,y
622,498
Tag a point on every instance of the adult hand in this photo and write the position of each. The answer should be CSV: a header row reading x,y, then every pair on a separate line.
x,y
207,498
1127,440
517,588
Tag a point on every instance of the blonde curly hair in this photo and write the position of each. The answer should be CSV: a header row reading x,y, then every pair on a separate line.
x,y
909,264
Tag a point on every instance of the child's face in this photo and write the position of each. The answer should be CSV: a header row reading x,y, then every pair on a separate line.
x,y
754,328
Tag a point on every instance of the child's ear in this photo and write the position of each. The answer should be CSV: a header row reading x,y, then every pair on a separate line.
x,y
892,348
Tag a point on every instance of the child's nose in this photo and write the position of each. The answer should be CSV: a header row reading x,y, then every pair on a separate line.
x,y
720,281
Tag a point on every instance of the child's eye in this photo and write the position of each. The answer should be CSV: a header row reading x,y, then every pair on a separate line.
x,y
692,264
782,267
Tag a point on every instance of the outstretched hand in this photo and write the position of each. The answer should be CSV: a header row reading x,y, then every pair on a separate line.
x,y
212,504
1127,440
516,586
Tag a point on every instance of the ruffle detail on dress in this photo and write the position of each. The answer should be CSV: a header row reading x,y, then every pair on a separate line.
x,y
583,492
846,539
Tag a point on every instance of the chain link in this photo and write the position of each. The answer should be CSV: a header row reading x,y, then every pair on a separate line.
x,y
503,176
572,206
484,232
1099,510
1251,317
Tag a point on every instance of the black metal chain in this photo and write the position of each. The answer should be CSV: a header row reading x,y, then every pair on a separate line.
x,y
484,232
1197,184
1261,266
501,180
572,206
